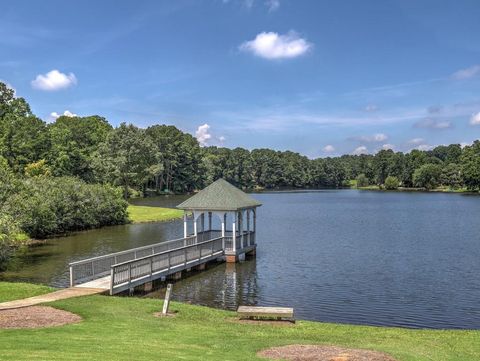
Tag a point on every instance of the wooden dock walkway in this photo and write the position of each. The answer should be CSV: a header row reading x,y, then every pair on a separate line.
x,y
122,271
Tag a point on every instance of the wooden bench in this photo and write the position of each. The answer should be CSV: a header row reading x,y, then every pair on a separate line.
x,y
278,313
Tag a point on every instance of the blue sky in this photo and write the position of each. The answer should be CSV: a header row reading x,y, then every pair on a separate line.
x,y
318,77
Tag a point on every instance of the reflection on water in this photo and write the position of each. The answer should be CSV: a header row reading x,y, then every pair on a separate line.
x,y
378,258
221,285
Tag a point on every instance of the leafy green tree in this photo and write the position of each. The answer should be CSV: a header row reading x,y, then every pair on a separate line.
x,y
180,159
427,176
362,180
8,183
38,169
73,142
391,183
127,158
451,175
470,161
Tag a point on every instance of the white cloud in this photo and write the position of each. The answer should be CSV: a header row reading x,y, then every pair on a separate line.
x,y
66,113
430,123
54,80
202,134
466,73
375,138
275,46
465,144
360,150
272,5
222,138
475,119
329,148
371,108
416,141
424,147
388,146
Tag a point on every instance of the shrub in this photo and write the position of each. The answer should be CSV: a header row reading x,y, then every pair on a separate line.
x,y
47,206
362,180
391,183
10,237
427,176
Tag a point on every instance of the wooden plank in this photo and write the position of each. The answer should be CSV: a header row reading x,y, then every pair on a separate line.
x,y
279,312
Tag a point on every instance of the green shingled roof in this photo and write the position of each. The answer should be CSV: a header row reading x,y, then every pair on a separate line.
x,y
219,196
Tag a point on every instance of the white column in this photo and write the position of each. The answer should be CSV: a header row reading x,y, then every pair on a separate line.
x,y
248,226
240,227
234,238
185,225
224,220
195,226
255,220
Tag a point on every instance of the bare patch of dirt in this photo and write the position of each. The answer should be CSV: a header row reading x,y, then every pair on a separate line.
x,y
322,353
36,317
169,314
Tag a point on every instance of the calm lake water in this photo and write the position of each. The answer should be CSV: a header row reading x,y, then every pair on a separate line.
x,y
397,259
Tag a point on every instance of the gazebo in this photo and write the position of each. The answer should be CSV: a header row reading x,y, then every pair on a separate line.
x,y
231,206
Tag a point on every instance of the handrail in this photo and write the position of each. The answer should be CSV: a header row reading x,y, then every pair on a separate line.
x,y
164,252
128,251
127,272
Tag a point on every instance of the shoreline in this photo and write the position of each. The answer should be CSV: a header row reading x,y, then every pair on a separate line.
x,y
199,332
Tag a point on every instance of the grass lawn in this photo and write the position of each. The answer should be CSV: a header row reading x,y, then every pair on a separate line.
x,y
15,291
142,214
122,328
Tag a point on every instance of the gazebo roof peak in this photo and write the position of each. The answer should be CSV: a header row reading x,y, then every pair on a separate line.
x,y
219,196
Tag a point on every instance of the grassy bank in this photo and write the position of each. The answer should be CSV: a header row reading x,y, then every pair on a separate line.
x,y
18,290
121,328
143,214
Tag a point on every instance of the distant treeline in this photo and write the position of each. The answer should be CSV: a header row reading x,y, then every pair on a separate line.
x,y
164,159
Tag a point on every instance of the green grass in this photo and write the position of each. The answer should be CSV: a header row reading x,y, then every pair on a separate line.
x,y
122,328
143,214
15,291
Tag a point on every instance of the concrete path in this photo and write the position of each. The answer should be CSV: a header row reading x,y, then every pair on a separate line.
x,y
50,297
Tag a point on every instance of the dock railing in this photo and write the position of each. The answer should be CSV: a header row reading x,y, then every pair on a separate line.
x,y
127,273
97,267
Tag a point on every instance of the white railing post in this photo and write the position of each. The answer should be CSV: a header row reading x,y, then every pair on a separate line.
x,y
234,238
71,277
185,225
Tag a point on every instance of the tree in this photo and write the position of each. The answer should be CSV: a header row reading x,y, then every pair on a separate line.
x,y
391,183
126,158
8,183
471,165
73,142
38,169
451,175
362,180
427,176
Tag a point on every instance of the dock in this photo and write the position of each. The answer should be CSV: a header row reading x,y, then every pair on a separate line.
x,y
201,243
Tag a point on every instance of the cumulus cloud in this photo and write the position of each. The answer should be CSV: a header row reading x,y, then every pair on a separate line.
x,y
360,150
272,45
430,123
466,73
54,80
416,141
272,5
424,147
329,148
202,134
375,138
475,119
66,113
388,146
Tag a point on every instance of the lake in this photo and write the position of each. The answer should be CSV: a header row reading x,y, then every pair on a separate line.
x,y
377,258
